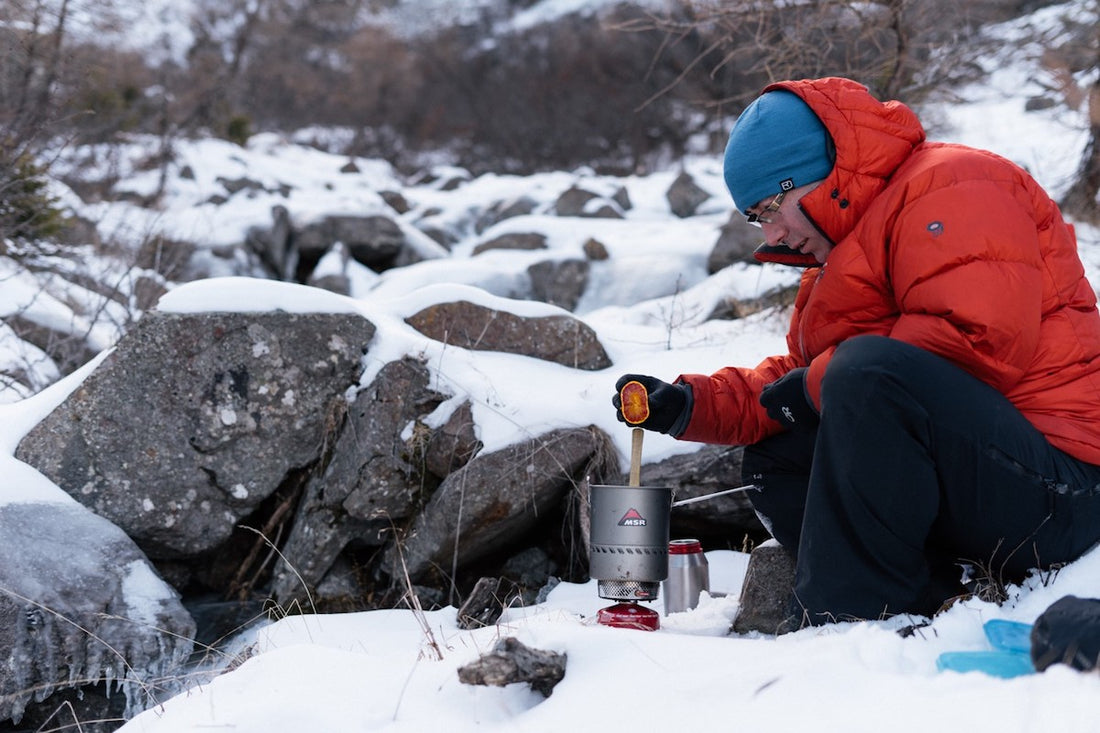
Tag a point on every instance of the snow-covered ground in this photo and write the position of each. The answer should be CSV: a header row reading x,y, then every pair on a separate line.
x,y
396,670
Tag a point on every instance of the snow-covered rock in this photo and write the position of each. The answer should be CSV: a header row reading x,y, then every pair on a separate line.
x,y
81,606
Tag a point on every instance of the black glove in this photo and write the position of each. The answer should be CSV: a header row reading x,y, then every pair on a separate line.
x,y
786,401
669,404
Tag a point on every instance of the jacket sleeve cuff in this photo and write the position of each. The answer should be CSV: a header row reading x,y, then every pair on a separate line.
x,y
677,429
814,374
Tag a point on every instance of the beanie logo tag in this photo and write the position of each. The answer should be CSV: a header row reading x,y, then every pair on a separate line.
x,y
786,184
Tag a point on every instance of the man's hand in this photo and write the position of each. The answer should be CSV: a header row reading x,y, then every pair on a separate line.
x,y
786,401
669,404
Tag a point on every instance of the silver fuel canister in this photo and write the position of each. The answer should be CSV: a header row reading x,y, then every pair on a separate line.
x,y
688,575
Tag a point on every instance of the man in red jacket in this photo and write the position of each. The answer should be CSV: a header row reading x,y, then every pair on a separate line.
x,y
940,400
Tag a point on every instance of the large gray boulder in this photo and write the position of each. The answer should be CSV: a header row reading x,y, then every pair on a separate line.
x,y
525,241
765,602
373,481
495,499
685,196
737,240
196,419
578,202
81,606
559,282
375,241
290,252
560,339
498,211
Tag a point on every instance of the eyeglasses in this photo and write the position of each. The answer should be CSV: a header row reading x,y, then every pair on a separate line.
x,y
764,216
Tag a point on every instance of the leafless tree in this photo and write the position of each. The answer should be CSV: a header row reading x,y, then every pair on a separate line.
x,y
224,31
1080,200
901,49
48,81
41,70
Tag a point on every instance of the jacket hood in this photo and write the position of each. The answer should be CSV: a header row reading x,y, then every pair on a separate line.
x,y
872,140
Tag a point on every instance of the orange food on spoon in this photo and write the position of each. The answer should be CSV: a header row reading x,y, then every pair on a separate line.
x,y
635,401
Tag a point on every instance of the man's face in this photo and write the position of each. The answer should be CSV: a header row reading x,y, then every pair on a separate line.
x,y
786,224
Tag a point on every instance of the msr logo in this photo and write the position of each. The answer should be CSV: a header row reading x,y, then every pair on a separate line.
x,y
632,518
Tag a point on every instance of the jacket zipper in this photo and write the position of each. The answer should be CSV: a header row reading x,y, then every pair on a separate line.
x,y
817,279
801,328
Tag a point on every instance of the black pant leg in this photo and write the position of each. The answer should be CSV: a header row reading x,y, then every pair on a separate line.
x,y
780,467
915,460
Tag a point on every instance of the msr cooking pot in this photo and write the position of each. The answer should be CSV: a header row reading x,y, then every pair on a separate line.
x,y
628,537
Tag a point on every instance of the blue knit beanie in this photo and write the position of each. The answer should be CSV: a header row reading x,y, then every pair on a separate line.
x,y
777,144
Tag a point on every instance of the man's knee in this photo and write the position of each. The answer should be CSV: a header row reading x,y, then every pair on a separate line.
x,y
788,453
864,364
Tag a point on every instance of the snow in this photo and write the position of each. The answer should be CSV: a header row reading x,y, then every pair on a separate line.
x,y
547,10
24,484
245,295
1048,143
145,593
395,670
398,671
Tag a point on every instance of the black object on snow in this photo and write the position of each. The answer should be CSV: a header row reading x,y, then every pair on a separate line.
x,y
1067,632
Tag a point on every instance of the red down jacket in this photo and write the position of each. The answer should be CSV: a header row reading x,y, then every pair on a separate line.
x,y
949,248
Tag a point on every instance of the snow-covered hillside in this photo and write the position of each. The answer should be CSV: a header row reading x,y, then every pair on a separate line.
x,y
163,28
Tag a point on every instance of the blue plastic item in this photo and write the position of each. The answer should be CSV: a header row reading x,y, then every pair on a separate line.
x,y
1011,636
1010,656
995,663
